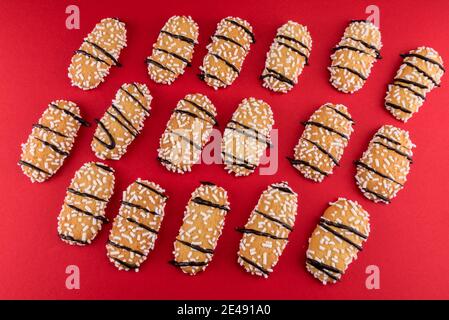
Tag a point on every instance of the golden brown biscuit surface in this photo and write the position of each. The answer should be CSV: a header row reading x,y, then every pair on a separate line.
x,y
323,141
337,239
99,51
382,170
202,226
51,140
420,73
265,235
354,56
288,55
137,225
83,212
122,122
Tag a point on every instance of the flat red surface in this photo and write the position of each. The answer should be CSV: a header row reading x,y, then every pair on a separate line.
x,y
409,237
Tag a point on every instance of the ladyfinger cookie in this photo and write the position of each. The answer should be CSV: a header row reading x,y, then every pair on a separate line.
x,y
173,49
83,212
354,56
137,224
246,136
227,51
51,140
187,132
323,141
336,240
420,72
265,235
122,122
288,55
202,226
383,168
99,51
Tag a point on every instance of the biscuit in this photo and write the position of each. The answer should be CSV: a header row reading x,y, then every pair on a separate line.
x,y
83,212
187,131
420,72
383,168
173,49
51,140
288,55
227,51
122,122
247,136
336,240
99,51
265,235
323,141
202,226
354,56
137,224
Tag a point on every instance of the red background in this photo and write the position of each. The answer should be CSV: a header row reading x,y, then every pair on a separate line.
x,y
409,237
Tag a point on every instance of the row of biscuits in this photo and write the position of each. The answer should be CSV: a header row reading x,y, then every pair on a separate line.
x,y
351,61
332,246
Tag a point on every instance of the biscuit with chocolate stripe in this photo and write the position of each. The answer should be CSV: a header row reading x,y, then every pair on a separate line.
x,y
83,212
420,73
227,51
187,131
266,233
336,240
354,56
323,141
99,52
173,50
137,225
122,121
202,226
51,140
288,55
382,171
247,136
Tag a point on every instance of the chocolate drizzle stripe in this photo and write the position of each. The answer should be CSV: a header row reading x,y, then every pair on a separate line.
x,y
134,205
135,99
343,226
395,150
230,65
159,65
90,55
247,31
193,144
224,38
106,53
363,165
255,265
179,37
123,263
387,138
340,113
188,263
417,84
425,74
324,268
281,36
285,225
121,123
192,114
334,160
416,93
356,50
177,56
74,116
110,145
124,118
366,44
120,246
282,188
104,167
204,75
395,106
41,126
99,218
204,202
141,225
241,162
152,189
320,125
52,147
134,84
377,195
196,247
306,58
277,75
207,183
256,137
307,164
260,233
405,55
70,238
352,71
32,166
339,235
264,139
86,195
207,112
162,160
